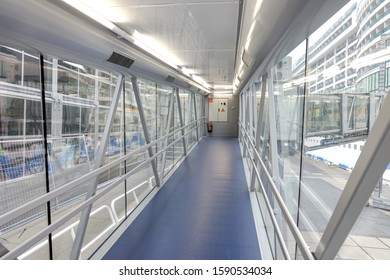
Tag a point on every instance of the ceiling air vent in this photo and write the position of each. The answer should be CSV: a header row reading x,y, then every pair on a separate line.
x,y
121,60
170,79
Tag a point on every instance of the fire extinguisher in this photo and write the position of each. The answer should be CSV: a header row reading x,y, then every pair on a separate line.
x,y
209,126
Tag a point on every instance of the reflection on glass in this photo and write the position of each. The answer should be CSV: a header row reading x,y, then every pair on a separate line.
x,y
31,74
286,99
10,65
22,169
78,102
347,70
323,114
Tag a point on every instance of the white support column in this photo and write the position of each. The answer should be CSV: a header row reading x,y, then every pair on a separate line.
x,y
167,130
182,124
191,99
196,118
203,114
369,168
99,161
246,117
137,95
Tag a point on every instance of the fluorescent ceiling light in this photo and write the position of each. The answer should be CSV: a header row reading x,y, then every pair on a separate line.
x,y
91,13
241,67
240,75
223,86
223,92
108,9
250,34
145,43
200,80
186,71
257,7
222,95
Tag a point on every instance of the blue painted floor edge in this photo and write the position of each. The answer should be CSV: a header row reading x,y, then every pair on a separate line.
x,y
203,212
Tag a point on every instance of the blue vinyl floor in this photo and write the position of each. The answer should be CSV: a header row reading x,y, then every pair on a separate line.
x,y
202,212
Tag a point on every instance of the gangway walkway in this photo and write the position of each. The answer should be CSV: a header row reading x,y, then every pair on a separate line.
x,y
202,212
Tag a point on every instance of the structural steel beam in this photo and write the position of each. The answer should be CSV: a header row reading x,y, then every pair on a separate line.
x,y
137,95
196,117
99,161
181,121
167,130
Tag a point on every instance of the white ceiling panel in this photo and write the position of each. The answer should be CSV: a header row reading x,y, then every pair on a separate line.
x,y
198,34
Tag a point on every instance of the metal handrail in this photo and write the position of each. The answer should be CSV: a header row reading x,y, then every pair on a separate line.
x,y
269,207
117,219
43,199
9,216
289,219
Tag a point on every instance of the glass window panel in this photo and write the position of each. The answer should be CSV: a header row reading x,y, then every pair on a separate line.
x,y
165,124
185,99
178,148
67,82
193,104
71,119
149,103
22,229
77,126
338,119
32,75
184,95
78,102
11,65
199,111
188,106
133,128
34,123
288,100
12,116
22,169
87,84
